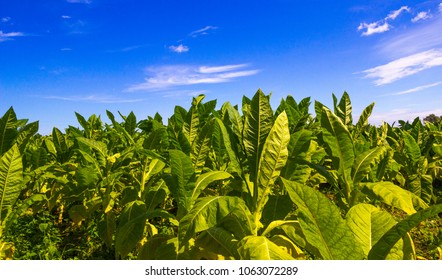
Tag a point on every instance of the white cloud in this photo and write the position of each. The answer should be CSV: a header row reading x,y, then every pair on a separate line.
x,y
416,89
65,17
405,114
80,1
92,99
202,31
404,67
373,28
165,77
394,14
10,35
218,69
440,7
421,16
5,19
381,26
179,49
416,38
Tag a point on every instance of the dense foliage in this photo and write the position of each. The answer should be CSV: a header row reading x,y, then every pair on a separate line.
x,y
232,183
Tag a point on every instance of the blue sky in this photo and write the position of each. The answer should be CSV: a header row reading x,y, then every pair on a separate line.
x,y
58,57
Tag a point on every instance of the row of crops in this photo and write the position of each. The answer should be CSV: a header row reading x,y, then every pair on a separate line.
x,y
228,183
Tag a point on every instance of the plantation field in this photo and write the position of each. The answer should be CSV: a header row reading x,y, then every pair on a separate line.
x,y
238,182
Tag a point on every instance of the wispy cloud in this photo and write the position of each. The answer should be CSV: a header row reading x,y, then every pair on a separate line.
x,y
179,49
10,35
381,26
65,49
440,7
5,19
92,99
405,66
394,14
373,28
405,114
128,48
202,31
65,17
80,1
421,16
165,77
417,38
416,89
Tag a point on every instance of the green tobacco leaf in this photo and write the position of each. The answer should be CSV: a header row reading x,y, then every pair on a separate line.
x,y
368,223
381,249
365,161
277,207
363,120
59,141
82,121
130,123
276,224
78,213
339,146
201,147
234,165
206,213
192,124
274,154
391,194
25,133
257,125
182,171
8,130
106,228
155,195
322,224
130,228
412,149
288,246
206,179
11,179
159,247
344,110
235,119
261,248
98,146
219,241
239,222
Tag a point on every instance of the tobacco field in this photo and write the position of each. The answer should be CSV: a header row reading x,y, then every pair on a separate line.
x,y
248,181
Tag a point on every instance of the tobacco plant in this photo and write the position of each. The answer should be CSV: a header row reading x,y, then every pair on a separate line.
x,y
227,183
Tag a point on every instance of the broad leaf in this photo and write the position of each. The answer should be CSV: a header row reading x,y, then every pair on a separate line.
x,y
201,147
381,249
182,171
257,125
368,224
339,146
106,228
261,248
391,194
365,161
11,179
363,120
206,179
273,156
344,110
8,130
206,213
234,165
218,241
322,224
